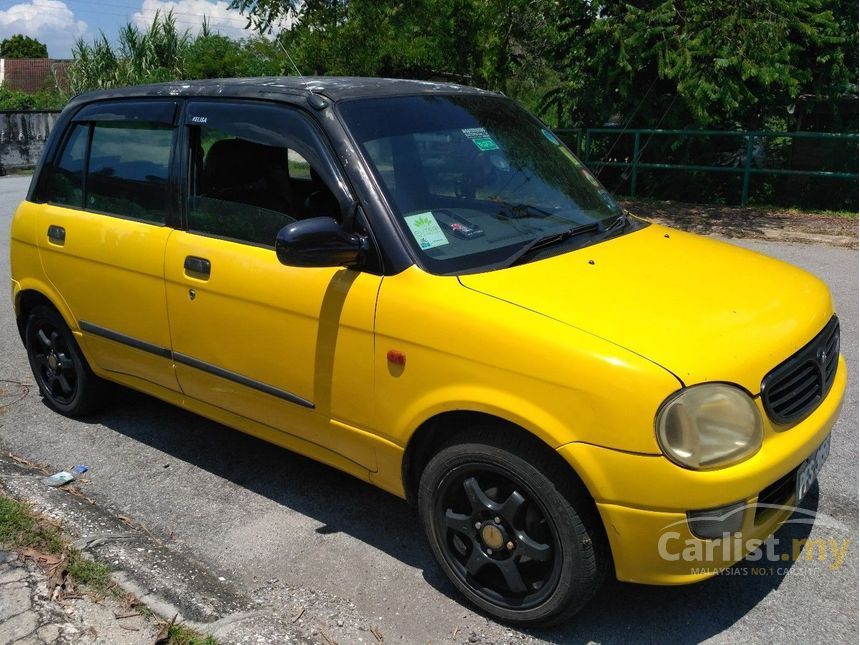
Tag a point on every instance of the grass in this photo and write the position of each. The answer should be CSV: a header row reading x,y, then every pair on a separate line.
x,y
21,528
825,213
182,635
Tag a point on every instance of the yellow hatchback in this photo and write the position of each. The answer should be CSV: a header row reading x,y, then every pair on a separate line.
x,y
419,284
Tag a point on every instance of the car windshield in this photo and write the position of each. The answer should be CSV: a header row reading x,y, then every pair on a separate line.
x,y
475,179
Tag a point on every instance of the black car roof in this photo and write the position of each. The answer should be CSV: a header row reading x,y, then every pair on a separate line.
x,y
336,88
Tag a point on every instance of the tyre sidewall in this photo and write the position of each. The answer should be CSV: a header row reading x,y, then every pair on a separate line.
x,y
578,577
83,375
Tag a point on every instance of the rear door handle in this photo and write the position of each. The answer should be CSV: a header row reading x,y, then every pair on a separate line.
x,y
197,267
57,234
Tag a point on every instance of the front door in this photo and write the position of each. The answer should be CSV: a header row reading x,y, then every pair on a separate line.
x,y
290,348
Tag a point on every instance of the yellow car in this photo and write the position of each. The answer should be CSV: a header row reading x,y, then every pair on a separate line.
x,y
419,284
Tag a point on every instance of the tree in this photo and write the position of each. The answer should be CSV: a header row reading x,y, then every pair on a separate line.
x,y
21,46
213,56
721,64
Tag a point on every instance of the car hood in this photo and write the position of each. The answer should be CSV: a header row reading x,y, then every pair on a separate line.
x,y
702,309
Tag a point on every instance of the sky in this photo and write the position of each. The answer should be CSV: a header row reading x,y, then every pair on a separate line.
x,y
59,23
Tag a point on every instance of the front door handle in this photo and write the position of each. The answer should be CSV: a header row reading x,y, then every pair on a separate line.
x,y
197,267
57,234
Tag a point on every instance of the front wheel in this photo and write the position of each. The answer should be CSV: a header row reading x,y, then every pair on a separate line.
x,y
516,535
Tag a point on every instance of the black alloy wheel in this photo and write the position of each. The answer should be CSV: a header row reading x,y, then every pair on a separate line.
x,y
497,536
512,527
63,375
55,367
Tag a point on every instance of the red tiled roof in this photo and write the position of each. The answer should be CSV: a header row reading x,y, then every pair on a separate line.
x,y
32,74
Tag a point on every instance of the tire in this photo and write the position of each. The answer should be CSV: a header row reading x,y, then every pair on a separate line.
x,y
487,491
65,380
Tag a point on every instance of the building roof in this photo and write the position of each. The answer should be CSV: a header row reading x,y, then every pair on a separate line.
x,y
335,88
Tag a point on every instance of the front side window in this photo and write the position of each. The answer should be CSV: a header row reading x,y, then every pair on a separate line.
x,y
473,179
128,170
253,170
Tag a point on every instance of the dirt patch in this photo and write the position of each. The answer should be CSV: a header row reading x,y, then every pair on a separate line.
x,y
775,224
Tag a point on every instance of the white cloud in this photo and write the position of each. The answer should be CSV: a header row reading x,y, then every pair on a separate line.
x,y
50,21
189,15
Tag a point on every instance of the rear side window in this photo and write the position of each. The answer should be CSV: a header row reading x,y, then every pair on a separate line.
x,y
128,170
116,160
67,180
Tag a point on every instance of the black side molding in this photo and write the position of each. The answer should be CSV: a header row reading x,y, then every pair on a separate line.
x,y
195,363
125,340
242,380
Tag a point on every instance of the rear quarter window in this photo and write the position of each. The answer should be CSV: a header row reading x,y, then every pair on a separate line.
x,y
66,185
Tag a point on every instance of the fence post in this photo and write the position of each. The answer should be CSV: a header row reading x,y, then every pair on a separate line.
x,y
745,189
635,164
587,147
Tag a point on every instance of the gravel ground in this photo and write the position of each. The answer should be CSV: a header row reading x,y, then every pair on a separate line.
x,y
28,614
764,223
292,535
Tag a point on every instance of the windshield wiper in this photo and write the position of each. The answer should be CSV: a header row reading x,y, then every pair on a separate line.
x,y
620,222
546,241
519,211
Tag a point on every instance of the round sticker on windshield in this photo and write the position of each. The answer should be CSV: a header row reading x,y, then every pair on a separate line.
x,y
550,137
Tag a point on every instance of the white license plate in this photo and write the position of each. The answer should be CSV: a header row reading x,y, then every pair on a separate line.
x,y
808,471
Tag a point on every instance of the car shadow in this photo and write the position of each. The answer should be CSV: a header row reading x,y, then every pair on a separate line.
x,y
620,613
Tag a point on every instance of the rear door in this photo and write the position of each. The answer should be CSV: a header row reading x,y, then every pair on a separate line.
x,y
103,232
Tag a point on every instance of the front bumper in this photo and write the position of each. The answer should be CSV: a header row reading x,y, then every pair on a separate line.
x,y
643,499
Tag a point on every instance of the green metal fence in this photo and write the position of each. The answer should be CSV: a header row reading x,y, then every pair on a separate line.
x,y
747,164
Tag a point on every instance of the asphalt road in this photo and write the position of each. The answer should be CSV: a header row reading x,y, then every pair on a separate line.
x,y
265,519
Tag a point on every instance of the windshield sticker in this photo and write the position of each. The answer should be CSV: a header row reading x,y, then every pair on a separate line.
x,y
550,137
426,230
481,138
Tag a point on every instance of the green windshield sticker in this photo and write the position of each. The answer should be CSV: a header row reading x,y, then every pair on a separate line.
x,y
550,137
426,230
481,138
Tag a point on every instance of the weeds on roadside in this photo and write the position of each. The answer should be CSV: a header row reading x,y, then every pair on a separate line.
x,y
21,528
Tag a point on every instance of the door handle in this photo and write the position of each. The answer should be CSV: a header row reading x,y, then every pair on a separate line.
x,y
57,234
197,267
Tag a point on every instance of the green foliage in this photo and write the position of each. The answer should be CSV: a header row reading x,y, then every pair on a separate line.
x,y
726,64
20,528
150,56
16,100
675,62
213,56
20,46
163,53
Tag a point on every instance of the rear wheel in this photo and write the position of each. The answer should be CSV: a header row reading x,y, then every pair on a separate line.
x,y
63,375
515,535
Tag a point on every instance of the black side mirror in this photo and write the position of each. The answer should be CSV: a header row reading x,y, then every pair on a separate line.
x,y
319,242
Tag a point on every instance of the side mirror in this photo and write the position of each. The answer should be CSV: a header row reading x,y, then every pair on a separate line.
x,y
319,242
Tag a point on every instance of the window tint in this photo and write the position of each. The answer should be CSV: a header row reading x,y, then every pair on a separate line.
x,y
128,170
67,179
248,180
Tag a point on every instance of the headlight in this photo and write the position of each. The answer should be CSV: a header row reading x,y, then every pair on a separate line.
x,y
709,426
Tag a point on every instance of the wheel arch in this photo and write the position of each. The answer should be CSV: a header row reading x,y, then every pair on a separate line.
x,y
442,428
30,296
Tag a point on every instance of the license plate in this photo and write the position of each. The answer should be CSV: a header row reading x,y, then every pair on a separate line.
x,y
808,471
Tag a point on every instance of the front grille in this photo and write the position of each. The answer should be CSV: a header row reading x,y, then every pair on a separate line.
x,y
778,494
794,388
